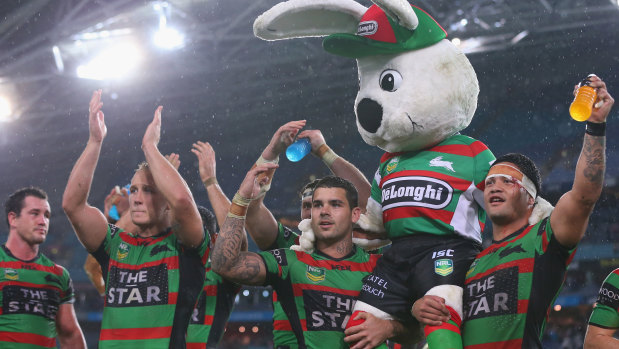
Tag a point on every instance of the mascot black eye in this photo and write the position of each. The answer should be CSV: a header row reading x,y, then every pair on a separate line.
x,y
390,80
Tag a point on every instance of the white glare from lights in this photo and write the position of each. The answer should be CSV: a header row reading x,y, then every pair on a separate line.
x,y
115,62
5,110
166,37
456,41
169,39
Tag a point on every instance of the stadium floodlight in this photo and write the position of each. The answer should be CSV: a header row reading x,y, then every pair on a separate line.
x,y
115,62
169,38
166,37
6,112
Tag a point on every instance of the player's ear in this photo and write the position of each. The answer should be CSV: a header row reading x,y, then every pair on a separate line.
x,y
356,213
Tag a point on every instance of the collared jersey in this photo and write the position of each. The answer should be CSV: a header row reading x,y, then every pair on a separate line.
x,y
317,293
31,293
510,287
151,288
438,190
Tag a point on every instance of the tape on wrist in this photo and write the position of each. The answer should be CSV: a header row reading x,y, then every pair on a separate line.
x,y
240,200
262,160
595,129
327,155
210,181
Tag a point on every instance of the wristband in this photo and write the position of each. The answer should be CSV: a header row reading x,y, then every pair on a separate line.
x,y
262,160
596,129
238,207
210,181
327,155
240,200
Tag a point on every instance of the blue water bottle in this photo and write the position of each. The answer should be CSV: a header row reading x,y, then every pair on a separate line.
x,y
297,150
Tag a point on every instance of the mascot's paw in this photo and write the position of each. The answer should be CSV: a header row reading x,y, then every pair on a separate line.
x,y
366,223
307,238
371,245
541,210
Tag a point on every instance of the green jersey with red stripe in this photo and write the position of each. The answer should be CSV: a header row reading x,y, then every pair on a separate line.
x,y
151,287
317,293
31,293
438,190
212,311
510,287
282,331
606,310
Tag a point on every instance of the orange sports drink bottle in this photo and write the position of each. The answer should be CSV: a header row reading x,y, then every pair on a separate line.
x,y
581,107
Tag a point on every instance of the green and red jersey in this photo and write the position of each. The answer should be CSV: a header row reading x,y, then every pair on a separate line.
x,y
151,287
438,190
282,331
212,311
510,287
606,310
31,293
317,293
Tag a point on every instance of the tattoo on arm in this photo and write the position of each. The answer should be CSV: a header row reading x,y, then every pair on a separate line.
x,y
227,257
594,157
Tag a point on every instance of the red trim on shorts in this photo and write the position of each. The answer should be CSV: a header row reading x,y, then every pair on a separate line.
x,y
135,333
196,346
27,338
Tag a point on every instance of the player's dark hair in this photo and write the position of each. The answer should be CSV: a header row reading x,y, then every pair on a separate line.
x,y
15,202
311,185
526,165
339,182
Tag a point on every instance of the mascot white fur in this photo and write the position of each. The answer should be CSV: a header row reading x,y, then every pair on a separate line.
x,y
417,91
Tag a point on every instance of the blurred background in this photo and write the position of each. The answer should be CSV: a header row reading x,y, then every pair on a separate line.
x,y
218,83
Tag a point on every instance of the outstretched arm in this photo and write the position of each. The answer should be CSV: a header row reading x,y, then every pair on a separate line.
x,y
261,225
571,215
206,165
227,258
169,182
88,222
338,165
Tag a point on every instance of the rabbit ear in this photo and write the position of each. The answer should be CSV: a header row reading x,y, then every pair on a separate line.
x,y
306,18
401,11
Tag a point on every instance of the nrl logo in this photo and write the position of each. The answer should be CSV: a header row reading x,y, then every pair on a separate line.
x,y
11,274
443,267
367,28
315,275
439,162
392,164
123,251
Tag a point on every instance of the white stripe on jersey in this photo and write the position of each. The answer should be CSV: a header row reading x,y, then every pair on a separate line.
x,y
465,219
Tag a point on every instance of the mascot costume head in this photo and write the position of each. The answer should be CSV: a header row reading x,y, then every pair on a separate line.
x,y
417,91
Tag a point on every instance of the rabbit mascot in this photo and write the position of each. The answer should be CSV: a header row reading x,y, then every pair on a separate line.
x,y
417,92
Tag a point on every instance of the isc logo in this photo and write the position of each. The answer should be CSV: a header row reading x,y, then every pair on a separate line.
x,y
442,253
